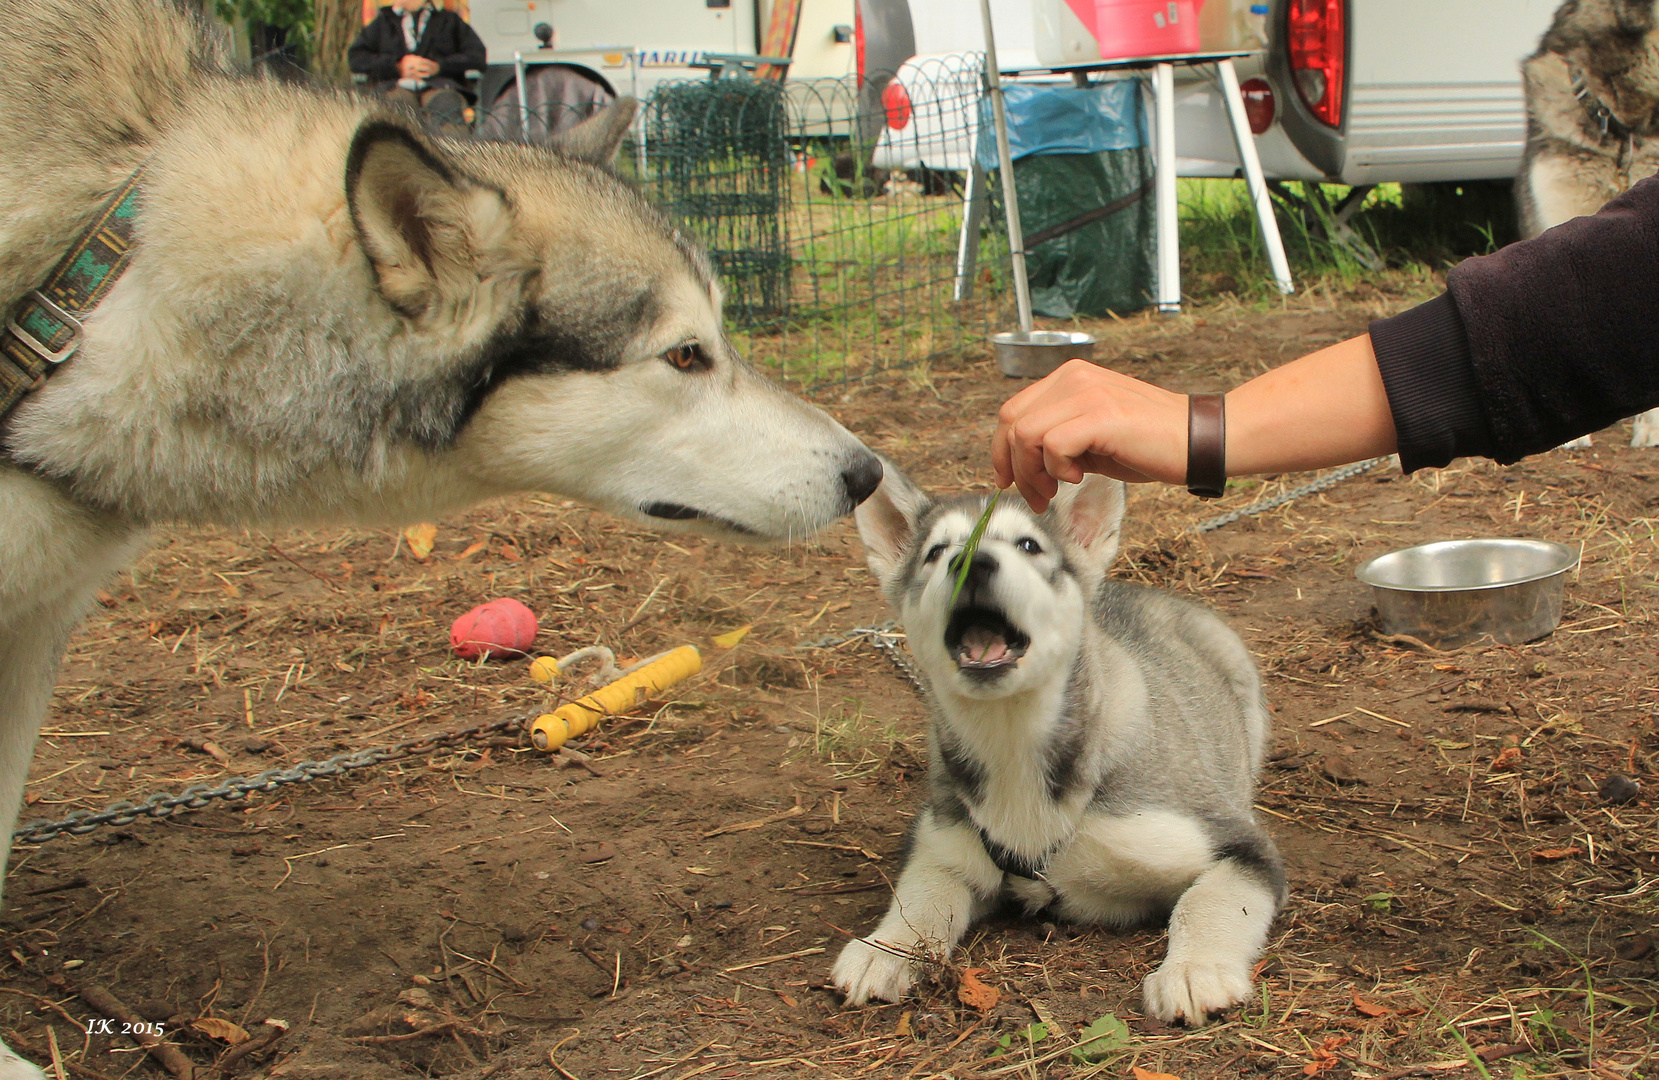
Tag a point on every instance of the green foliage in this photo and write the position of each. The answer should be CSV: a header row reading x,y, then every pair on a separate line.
x,y
1382,902
1031,1036
1101,1039
1417,227
291,15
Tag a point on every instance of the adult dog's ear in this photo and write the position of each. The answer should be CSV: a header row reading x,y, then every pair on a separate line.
x,y
1090,515
424,225
887,522
596,139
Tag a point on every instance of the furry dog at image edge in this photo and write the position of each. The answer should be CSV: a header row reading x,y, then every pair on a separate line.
x,y
1094,748
331,317
1592,93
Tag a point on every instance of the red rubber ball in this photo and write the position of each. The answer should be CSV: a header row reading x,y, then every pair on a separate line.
x,y
501,628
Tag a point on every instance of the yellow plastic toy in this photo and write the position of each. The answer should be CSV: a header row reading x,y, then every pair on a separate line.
x,y
551,730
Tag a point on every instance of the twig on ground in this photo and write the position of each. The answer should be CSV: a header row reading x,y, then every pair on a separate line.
x,y
166,1054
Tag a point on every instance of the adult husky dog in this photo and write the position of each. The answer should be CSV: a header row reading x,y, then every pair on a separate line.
x,y
330,316
1592,92
1094,748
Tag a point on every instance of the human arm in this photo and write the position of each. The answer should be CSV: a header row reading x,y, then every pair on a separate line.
x,y
467,53
367,55
1326,408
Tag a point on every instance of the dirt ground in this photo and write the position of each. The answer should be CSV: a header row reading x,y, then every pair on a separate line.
x,y
1469,896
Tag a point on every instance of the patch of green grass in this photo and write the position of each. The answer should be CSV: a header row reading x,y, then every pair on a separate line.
x,y
853,743
1420,228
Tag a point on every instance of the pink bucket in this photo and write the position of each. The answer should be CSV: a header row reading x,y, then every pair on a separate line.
x,y
1130,28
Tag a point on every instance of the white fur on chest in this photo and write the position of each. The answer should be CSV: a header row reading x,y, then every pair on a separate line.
x,y
1006,739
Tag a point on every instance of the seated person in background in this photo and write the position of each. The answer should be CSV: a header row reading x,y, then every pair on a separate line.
x,y
418,55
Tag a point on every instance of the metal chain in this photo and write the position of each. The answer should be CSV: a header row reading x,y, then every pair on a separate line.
x,y
885,639
1329,480
196,796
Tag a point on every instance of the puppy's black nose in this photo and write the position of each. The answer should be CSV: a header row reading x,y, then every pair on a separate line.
x,y
862,478
980,571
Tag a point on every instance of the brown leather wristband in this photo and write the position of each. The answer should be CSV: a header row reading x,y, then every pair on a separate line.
x,y
1207,445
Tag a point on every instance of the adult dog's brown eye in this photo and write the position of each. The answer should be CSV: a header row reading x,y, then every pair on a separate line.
x,y
687,357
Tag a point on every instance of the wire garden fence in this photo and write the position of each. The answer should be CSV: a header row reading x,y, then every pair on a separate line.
x,y
835,212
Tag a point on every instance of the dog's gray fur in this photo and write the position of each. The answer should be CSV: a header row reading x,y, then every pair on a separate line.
x,y
1583,150
330,316
1105,769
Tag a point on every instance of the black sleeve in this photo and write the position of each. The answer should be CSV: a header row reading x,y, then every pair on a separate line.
x,y
468,54
1541,342
1563,329
367,55
1423,355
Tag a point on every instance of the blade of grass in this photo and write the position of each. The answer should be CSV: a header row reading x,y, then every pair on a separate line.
x,y
972,546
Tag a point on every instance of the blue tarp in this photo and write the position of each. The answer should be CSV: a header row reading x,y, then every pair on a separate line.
x,y
1064,120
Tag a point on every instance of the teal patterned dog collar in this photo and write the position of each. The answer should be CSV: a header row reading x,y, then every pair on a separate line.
x,y
44,328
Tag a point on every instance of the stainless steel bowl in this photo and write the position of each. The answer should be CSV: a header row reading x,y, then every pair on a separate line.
x,y
1457,591
1031,355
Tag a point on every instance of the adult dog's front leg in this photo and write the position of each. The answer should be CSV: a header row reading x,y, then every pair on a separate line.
x,y
947,883
1216,931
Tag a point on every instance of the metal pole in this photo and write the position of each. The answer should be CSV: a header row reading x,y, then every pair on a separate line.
x,y
1168,218
1257,186
1005,169
523,102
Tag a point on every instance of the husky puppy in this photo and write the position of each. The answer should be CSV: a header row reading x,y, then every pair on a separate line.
x,y
1094,748
330,316
1592,93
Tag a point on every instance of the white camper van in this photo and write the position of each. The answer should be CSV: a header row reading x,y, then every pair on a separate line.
x,y
628,48
1347,91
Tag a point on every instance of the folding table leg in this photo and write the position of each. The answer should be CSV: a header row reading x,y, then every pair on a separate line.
x,y
1168,219
1246,143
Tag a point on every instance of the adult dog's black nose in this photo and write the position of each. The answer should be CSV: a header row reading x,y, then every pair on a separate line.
x,y
862,478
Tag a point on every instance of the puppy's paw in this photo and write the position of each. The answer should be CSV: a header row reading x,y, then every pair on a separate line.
x,y
1581,443
866,970
1644,431
1192,991
13,1067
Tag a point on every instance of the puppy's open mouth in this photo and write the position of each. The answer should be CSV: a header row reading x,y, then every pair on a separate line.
x,y
982,639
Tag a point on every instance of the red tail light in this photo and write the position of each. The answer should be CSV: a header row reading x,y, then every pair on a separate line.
x,y
895,99
1259,106
858,40
1316,33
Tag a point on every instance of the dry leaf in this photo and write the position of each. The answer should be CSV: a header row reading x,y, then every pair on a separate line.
x,y
791,1002
1369,1009
1508,758
471,550
729,640
420,539
975,994
1148,1074
510,553
215,1028
1556,854
902,1031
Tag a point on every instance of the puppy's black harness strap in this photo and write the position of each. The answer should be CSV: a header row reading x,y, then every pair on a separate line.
x,y
44,328
1010,863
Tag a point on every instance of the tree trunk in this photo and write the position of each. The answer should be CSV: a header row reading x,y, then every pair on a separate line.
x,y
338,23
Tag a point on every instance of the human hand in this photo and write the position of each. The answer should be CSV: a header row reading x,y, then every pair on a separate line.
x,y
410,66
1082,419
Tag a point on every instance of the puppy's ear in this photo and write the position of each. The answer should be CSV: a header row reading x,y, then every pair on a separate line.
x,y
1090,515
425,226
887,522
596,139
